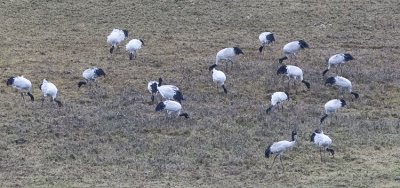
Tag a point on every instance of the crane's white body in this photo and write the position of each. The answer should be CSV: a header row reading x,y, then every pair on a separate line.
x,y
218,77
172,107
343,83
332,106
263,38
336,60
294,72
133,46
291,48
278,97
22,84
48,89
115,37
225,54
90,74
167,91
322,140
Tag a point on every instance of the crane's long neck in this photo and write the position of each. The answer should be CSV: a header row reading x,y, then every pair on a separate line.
x,y
293,138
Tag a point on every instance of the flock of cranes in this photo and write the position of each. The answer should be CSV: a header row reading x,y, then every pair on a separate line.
x,y
173,97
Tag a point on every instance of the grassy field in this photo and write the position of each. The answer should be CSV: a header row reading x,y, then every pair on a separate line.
x,y
110,135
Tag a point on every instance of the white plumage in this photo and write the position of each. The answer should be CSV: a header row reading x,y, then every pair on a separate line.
x,y
169,92
116,37
291,49
91,74
133,46
49,90
332,106
322,141
218,77
265,39
343,83
294,72
280,147
171,107
337,60
22,85
277,98
227,54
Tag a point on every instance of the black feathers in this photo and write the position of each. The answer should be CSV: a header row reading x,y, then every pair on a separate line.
x,y
111,49
31,96
237,51
303,44
225,90
178,96
141,40
125,33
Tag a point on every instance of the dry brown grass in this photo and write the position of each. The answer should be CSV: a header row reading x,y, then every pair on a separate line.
x,y
108,136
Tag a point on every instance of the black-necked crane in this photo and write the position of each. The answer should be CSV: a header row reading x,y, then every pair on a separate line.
x,y
22,85
278,148
171,107
292,48
343,83
116,37
91,74
337,60
332,106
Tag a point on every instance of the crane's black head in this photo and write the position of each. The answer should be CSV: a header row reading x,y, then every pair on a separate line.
x,y
348,57
186,115
10,81
154,87
282,70
125,33
267,152
237,51
212,67
100,72
141,40
317,131
303,44
330,80
160,81
294,133
343,102
270,38
40,86
332,151
160,106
